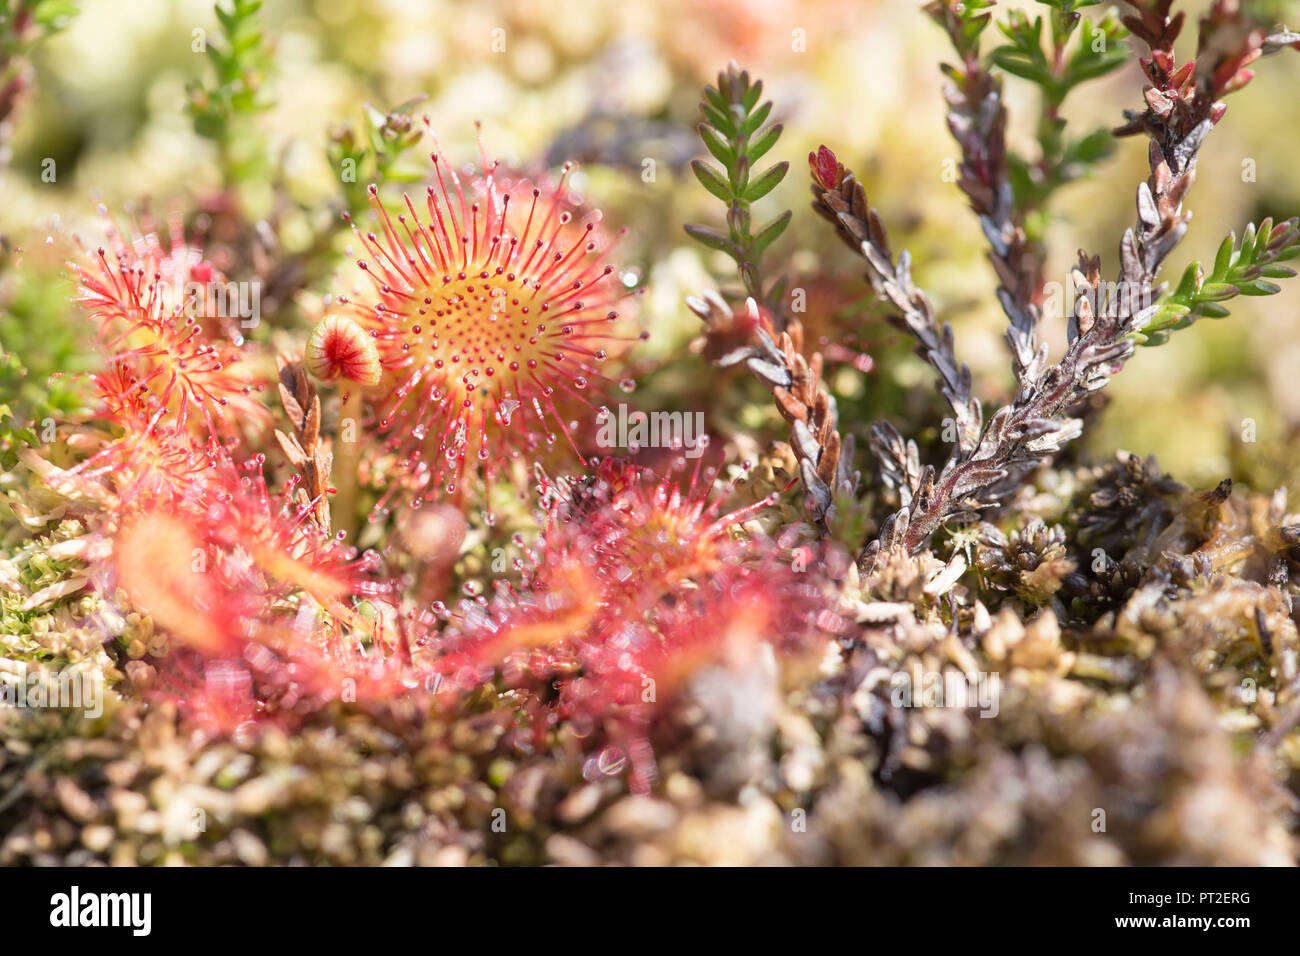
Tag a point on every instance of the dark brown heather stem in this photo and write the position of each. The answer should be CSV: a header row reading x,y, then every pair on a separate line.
x,y
839,197
977,119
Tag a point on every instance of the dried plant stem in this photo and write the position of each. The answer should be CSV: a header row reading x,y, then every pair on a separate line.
x,y
1030,431
977,119
839,197
825,457
303,447
989,463
347,454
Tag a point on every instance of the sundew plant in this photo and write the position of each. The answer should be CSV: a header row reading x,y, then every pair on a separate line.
x,y
479,440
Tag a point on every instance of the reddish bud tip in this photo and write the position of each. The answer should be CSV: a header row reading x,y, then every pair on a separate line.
x,y
340,348
825,168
